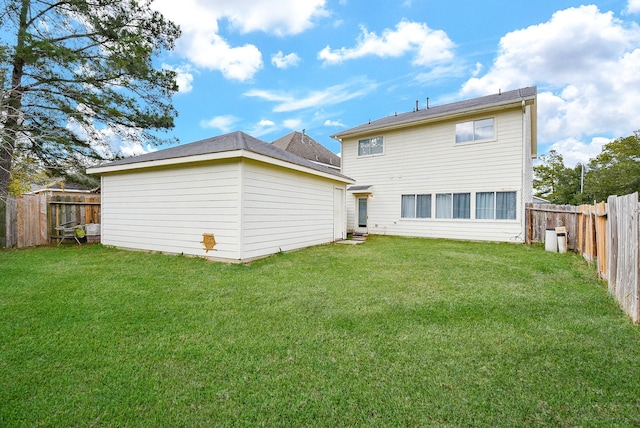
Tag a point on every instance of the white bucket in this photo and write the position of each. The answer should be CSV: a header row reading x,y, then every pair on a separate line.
x,y
92,228
562,242
551,240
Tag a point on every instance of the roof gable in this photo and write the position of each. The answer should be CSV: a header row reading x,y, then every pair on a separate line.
x,y
301,144
443,112
232,142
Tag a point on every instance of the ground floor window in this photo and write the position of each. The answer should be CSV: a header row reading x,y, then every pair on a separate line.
x,y
496,205
488,205
453,205
416,206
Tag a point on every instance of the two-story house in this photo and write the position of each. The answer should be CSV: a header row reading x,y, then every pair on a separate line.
x,y
459,171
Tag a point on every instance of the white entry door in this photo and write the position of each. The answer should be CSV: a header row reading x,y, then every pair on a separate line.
x,y
361,226
338,214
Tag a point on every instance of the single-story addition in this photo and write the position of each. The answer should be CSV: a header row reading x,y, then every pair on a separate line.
x,y
229,198
458,171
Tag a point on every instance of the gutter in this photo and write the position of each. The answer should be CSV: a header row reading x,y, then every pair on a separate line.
x,y
436,117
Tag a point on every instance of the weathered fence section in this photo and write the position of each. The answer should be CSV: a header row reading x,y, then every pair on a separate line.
x,y
623,262
607,233
32,220
541,217
8,222
71,210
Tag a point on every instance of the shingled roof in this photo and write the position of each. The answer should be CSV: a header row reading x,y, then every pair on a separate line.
x,y
231,142
299,143
446,110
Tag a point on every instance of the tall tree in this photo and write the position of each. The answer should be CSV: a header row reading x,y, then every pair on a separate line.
x,y
70,70
558,183
616,170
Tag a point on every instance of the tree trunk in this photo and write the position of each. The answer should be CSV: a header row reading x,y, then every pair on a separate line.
x,y
13,105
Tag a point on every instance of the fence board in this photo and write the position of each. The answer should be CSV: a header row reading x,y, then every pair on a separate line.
x,y
8,222
612,243
626,286
31,220
601,238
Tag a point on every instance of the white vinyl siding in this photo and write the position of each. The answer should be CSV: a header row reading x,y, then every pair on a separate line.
x,y
169,210
252,208
284,210
423,160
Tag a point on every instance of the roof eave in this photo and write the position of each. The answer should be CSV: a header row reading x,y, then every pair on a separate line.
x,y
437,117
247,154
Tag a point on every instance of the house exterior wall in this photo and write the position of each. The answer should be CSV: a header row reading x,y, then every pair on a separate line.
x,y
285,210
168,210
253,209
425,159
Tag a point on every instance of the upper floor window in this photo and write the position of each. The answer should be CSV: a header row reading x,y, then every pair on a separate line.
x,y
475,130
370,146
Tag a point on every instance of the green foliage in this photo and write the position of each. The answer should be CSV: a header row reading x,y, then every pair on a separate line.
x,y
76,73
25,173
557,183
394,332
615,171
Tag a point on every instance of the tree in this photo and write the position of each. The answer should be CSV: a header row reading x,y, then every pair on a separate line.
x,y
547,175
557,183
70,70
616,170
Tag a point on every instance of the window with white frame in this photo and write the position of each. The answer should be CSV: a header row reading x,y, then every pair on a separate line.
x,y
416,206
496,205
453,205
475,130
370,146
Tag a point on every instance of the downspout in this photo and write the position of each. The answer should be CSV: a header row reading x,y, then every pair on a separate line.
x,y
526,156
241,209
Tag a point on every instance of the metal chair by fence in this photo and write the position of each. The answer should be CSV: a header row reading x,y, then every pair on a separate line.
x,y
70,230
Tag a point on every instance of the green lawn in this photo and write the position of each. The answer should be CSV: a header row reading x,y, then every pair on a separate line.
x,y
394,332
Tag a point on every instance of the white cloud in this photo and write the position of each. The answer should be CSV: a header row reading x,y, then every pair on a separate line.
x,y
264,126
223,123
335,123
283,61
266,122
587,59
184,77
439,73
574,151
633,6
292,123
316,99
202,44
211,52
429,46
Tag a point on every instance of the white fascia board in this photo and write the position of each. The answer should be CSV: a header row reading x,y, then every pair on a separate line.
x,y
437,118
214,157
164,162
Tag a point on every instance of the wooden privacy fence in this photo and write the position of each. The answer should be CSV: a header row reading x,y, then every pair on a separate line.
x,y
36,217
607,233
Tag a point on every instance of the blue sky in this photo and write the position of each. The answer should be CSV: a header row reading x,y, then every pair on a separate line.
x,y
270,67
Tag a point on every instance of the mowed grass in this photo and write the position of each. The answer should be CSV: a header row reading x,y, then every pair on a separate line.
x,y
394,332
